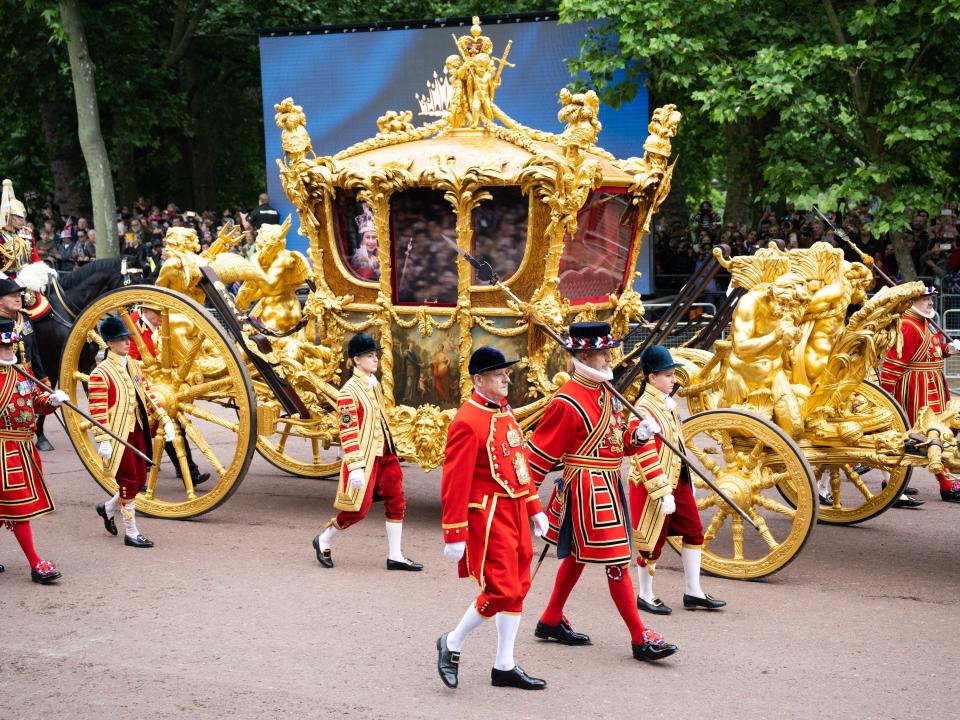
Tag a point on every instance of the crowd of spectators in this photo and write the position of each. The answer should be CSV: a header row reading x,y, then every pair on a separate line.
x,y
66,242
932,241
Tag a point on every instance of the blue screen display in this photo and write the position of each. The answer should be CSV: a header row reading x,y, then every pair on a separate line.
x,y
346,80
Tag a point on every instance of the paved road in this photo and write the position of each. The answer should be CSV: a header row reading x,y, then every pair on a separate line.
x,y
231,617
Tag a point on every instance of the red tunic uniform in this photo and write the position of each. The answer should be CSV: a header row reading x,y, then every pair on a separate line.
x,y
487,498
146,334
656,471
914,376
583,428
367,444
23,492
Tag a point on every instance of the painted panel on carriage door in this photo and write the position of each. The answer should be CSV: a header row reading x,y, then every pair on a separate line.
x,y
346,80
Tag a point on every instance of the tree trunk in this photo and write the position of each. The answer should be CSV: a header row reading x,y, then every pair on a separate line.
x,y
88,124
741,161
69,190
904,259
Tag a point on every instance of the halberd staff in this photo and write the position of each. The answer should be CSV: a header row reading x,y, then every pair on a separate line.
x,y
484,270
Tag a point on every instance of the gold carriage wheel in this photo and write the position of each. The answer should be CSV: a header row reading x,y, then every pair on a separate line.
x,y
859,496
288,450
201,381
747,457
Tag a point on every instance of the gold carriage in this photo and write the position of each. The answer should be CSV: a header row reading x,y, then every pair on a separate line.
x,y
554,214
780,410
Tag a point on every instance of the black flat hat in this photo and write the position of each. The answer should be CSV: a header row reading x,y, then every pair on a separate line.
x,y
360,344
591,336
9,287
488,358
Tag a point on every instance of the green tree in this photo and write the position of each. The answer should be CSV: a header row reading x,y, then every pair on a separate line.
x,y
88,123
854,97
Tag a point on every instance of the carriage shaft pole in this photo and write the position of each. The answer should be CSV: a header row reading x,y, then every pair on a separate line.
x,y
84,415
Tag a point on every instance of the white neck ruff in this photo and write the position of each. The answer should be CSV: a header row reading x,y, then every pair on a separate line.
x,y
593,374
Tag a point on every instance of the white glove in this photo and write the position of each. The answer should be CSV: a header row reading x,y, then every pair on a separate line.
x,y
454,551
57,397
540,524
669,504
169,431
105,449
356,478
954,346
646,429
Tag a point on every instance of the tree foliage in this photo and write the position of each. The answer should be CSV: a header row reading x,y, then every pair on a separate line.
x,y
178,84
862,96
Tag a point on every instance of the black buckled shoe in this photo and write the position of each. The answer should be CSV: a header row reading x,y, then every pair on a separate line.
x,y
448,662
692,602
199,478
109,523
323,556
562,633
905,501
2,568
139,541
654,608
44,572
405,564
43,445
906,490
653,647
951,495
516,678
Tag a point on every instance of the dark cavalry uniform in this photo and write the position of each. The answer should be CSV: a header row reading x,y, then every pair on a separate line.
x,y
28,354
487,499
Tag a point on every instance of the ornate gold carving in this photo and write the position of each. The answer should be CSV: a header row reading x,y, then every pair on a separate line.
x,y
462,154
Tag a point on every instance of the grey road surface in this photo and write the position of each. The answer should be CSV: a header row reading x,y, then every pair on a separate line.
x,y
230,616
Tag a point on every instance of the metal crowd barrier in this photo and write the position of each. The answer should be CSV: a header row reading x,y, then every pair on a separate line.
x,y
699,315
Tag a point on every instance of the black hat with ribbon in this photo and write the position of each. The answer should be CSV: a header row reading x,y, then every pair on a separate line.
x,y
591,336
8,334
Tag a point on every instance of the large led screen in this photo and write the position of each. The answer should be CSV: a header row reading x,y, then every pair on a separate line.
x,y
346,79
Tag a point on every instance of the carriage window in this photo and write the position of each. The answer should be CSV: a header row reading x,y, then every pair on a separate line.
x,y
500,231
594,263
356,236
422,225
